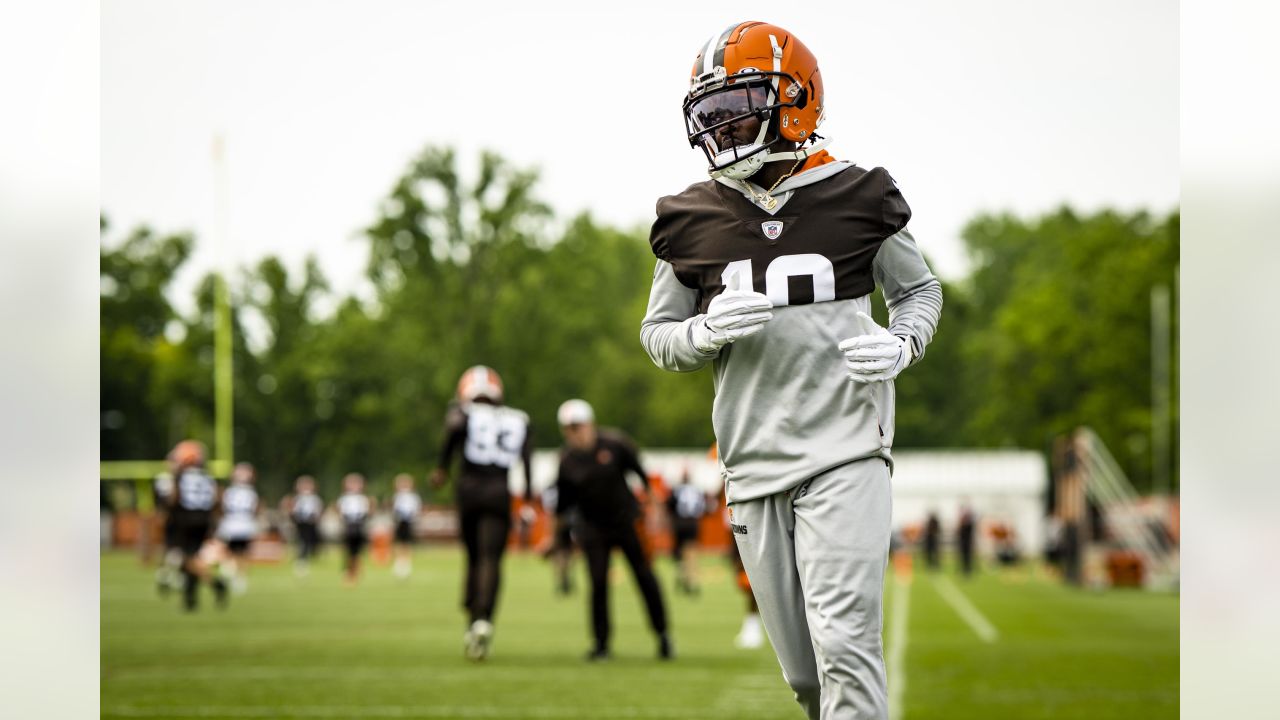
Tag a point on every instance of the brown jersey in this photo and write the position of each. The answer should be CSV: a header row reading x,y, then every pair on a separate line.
x,y
821,245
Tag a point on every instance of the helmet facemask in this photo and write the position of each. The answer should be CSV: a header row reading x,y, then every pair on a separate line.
x,y
733,124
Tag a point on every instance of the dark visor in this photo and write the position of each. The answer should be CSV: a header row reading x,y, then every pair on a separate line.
x,y
725,105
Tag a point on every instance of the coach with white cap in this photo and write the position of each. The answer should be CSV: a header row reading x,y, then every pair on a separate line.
x,y
592,480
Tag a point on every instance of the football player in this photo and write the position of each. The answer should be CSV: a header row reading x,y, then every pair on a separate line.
x,y
592,480
491,437
239,524
355,508
169,573
766,271
192,505
405,506
686,505
304,507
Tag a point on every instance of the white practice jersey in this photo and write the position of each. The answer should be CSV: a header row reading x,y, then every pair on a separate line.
x,y
307,507
691,502
354,508
239,513
196,490
406,505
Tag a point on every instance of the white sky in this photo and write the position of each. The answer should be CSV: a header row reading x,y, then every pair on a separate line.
x,y
970,105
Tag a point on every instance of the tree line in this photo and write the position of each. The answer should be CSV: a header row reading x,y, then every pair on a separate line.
x,y
1050,330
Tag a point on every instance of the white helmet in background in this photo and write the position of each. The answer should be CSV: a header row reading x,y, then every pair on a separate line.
x,y
575,412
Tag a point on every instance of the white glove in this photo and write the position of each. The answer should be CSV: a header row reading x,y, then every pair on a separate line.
x,y
877,356
731,315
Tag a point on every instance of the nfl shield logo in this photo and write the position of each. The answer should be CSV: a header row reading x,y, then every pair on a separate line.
x,y
772,228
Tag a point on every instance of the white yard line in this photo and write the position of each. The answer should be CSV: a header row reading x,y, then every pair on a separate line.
x,y
395,711
965,609
897,669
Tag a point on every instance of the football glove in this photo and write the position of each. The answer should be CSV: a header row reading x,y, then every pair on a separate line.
x,y
732,314
876,356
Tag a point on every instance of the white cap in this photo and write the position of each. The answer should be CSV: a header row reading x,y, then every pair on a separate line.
x,y
575,411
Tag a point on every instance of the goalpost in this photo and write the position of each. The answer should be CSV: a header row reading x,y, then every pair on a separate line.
x,y
222,452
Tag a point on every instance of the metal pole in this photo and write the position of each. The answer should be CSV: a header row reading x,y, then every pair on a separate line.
x,y
1160,389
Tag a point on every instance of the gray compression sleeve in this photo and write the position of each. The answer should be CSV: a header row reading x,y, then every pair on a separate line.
x,y
666,331
913,294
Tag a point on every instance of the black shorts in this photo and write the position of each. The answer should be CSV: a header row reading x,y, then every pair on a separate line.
x,y
190,536
355,542
686,530
239,546
404,531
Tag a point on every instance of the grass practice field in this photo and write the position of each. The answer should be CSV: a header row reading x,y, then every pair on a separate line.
x,y
997,646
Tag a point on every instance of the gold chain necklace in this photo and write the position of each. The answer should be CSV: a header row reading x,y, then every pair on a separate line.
x,y
766,198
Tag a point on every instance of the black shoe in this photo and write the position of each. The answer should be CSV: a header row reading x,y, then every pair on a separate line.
x,y
665,651
598,655
220,592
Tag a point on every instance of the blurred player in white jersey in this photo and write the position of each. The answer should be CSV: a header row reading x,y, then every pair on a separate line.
x,y
686,505
355,509
491,437
304,508
239,525
406,505
191,509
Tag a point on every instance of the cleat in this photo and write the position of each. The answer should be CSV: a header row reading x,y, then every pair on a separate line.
x,y
665,651
478,639
598,655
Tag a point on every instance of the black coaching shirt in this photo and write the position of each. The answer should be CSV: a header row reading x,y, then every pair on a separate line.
x,y
595,481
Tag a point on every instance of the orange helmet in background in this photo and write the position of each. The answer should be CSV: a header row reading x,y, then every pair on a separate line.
x,y
480,383
754,70
188,453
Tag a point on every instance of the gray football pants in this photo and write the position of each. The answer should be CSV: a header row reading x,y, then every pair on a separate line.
x,y
816,558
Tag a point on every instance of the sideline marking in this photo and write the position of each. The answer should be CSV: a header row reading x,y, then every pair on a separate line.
x,y
966,610
897,670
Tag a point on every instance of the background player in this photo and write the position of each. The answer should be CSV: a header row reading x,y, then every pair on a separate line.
x,y
405,507
239,525
592,480
355,508
686,505
169,572
560,545
304,508
194,499
767,270
491,437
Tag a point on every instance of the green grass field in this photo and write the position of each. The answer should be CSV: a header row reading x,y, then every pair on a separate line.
x,y
999,646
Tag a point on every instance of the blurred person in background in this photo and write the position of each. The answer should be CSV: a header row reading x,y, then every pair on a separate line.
x,y
354,508
686,505
239,525
932,541
304,508
491,437
560,544
966,529
766,271
169,572
592,480
191,511
406,505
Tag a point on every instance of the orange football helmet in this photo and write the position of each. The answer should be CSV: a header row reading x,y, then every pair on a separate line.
x,y
751,85
480,382
188,453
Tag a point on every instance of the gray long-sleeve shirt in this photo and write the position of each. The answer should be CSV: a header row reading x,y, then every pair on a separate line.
x,y
785,409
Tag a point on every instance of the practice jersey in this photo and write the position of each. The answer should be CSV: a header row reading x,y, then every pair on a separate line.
x,y
785,409
307,508
687,502
195,493
406,505
491,438
594,482
239,513
354,509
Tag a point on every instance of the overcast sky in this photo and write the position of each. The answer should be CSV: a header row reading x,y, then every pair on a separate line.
x,y
971,106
